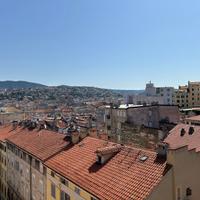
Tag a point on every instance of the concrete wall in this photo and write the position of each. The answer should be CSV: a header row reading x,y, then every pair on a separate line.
x,y
170,112
147,116
150,116
186,173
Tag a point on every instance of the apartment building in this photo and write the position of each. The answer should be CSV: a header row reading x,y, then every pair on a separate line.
x,y
183,145
27,150
187,96
166,93
153,95
4,133
139,115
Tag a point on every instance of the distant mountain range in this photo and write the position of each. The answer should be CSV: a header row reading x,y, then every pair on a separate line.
x,y
19,85
26,85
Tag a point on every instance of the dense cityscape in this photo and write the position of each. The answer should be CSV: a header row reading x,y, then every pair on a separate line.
x,y
99,100
78,143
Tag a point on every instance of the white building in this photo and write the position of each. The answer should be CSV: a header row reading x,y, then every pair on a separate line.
x,y
153,95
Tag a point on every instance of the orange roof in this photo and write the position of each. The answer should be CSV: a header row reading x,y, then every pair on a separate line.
x,y
42,144
194,118
176,141
5,132
123,177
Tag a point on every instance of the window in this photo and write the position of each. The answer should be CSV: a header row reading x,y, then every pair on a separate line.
x,y
41,186
64,196
188,192
53,190
92,198
109,127
33,178
64,182
37,165
150,113
24,156
108,116
77,190
17,165
52,174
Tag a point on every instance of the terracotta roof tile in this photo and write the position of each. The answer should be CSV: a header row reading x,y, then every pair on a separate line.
x,y
176,141
42,144
5,132
123,177
194,118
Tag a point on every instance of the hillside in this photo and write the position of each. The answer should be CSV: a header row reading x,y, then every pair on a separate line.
x,y
58,94
128,92
19,85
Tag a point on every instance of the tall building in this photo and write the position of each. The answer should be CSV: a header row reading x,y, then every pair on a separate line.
x,y
187,96
153,95
27,150
166,93
150,89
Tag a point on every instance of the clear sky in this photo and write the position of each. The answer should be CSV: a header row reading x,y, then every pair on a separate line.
x,y
104,43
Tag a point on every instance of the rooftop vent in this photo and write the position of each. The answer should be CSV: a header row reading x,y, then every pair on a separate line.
x,y
182,132
143,158
191,130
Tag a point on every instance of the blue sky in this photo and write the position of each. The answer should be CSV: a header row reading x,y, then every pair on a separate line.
x,y
104,43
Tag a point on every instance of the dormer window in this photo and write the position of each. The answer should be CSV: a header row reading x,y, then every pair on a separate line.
x,y
182,132
105,153
191,130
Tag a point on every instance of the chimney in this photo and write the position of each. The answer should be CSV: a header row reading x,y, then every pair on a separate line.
x,y
14,125
105,153
162,150
75,137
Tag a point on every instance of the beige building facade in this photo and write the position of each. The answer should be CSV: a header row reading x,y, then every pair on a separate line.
x,y
26,175
187,96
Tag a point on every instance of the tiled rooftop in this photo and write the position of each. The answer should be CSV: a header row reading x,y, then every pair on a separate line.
x,y
125,176
5,132
176,141
42,144
194,118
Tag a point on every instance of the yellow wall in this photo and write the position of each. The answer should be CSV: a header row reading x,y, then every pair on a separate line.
x,y
70,189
